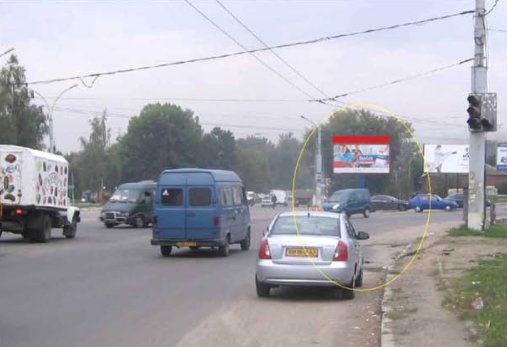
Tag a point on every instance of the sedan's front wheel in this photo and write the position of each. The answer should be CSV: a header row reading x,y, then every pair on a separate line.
x,y
448,208
418,209
262,288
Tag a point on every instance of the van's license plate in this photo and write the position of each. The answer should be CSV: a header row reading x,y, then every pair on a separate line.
x,y
186,244
300,252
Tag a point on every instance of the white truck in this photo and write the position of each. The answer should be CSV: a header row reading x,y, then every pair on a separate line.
x,y
33,194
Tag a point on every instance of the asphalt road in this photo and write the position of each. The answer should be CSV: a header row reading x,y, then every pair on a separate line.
x,y
109,287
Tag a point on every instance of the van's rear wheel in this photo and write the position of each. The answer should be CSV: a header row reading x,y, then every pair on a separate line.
x,y
245,244
366,213
139,222
223,250
166,250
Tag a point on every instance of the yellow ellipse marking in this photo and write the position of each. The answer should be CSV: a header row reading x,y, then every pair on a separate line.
x,y
294,178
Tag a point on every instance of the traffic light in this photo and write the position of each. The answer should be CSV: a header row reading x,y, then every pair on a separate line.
x,y
474,112
482,112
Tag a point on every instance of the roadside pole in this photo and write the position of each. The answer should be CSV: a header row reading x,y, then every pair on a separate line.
x,y
318,171
477,150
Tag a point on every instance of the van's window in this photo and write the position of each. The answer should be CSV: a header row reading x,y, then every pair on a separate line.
x,y
200,197
172,196
226,196
126,195
236,195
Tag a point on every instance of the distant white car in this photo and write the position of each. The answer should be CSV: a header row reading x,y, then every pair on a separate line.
x,y
250,197
266,201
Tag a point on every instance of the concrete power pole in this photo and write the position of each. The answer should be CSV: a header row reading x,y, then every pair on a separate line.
x,y
318,170
477,150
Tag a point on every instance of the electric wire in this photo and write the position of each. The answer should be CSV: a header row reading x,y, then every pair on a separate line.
x,y
400,80
492,8
235,54
246,49
285,62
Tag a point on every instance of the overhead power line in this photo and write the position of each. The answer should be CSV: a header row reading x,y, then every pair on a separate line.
x,y
303,77
235,54
492,7
246,49
408,78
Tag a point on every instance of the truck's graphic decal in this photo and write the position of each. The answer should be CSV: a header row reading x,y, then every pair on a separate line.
x,y
51,184
9,169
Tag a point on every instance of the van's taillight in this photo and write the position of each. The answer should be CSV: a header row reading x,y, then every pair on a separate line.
x,y
264,252
342,252
216,220
154,220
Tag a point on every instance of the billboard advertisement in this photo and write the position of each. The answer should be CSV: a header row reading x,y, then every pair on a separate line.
x,y
361,154
501,157
446,158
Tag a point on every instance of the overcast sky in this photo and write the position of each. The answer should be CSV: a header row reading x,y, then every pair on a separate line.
x,y
58,39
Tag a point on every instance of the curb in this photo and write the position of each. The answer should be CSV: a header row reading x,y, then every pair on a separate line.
x,y
386,335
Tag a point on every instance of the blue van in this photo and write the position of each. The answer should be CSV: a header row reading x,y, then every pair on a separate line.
x,y
200,208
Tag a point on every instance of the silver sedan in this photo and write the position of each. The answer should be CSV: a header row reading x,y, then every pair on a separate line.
x,y
326,244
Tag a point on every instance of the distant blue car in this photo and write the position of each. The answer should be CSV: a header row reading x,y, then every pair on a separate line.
x,y
421,202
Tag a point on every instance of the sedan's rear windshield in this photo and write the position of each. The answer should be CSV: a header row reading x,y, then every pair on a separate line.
x,y
312,225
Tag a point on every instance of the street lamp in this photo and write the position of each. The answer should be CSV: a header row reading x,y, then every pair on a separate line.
x,y
318,164
52,146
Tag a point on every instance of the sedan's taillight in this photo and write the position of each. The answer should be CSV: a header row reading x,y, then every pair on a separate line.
x,y
342,252
264,252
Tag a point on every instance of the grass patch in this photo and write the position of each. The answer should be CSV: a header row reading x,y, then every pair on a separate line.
x,y
86,205
495,231
498,199
487,280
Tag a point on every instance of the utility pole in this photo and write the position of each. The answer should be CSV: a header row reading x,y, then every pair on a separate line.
x,y
318,165
476,177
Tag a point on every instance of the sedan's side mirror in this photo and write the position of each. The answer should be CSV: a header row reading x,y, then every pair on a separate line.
x,y
361,235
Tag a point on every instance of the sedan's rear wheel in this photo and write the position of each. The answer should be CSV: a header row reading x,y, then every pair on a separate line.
x,y
359,279
418,209
349,293
448,208
261,288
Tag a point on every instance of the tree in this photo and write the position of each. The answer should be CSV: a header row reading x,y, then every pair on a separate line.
x,y
163,136
91,165
219,149
252,166
22,124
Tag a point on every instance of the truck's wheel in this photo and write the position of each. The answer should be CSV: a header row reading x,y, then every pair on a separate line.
x,y
43,233
166,250
69,231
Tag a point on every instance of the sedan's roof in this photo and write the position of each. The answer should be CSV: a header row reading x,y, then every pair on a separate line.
x,y
311,213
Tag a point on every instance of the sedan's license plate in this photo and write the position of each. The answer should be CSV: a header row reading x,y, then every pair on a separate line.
x,y
300,252
186,244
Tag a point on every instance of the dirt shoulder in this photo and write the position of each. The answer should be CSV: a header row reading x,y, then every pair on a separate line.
x,y
414,315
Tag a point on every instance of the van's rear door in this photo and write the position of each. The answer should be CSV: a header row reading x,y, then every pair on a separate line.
x,y
171,212
202,221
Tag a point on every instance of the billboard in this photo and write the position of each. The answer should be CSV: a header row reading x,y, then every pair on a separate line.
x,y
446,158
361,154
501,157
